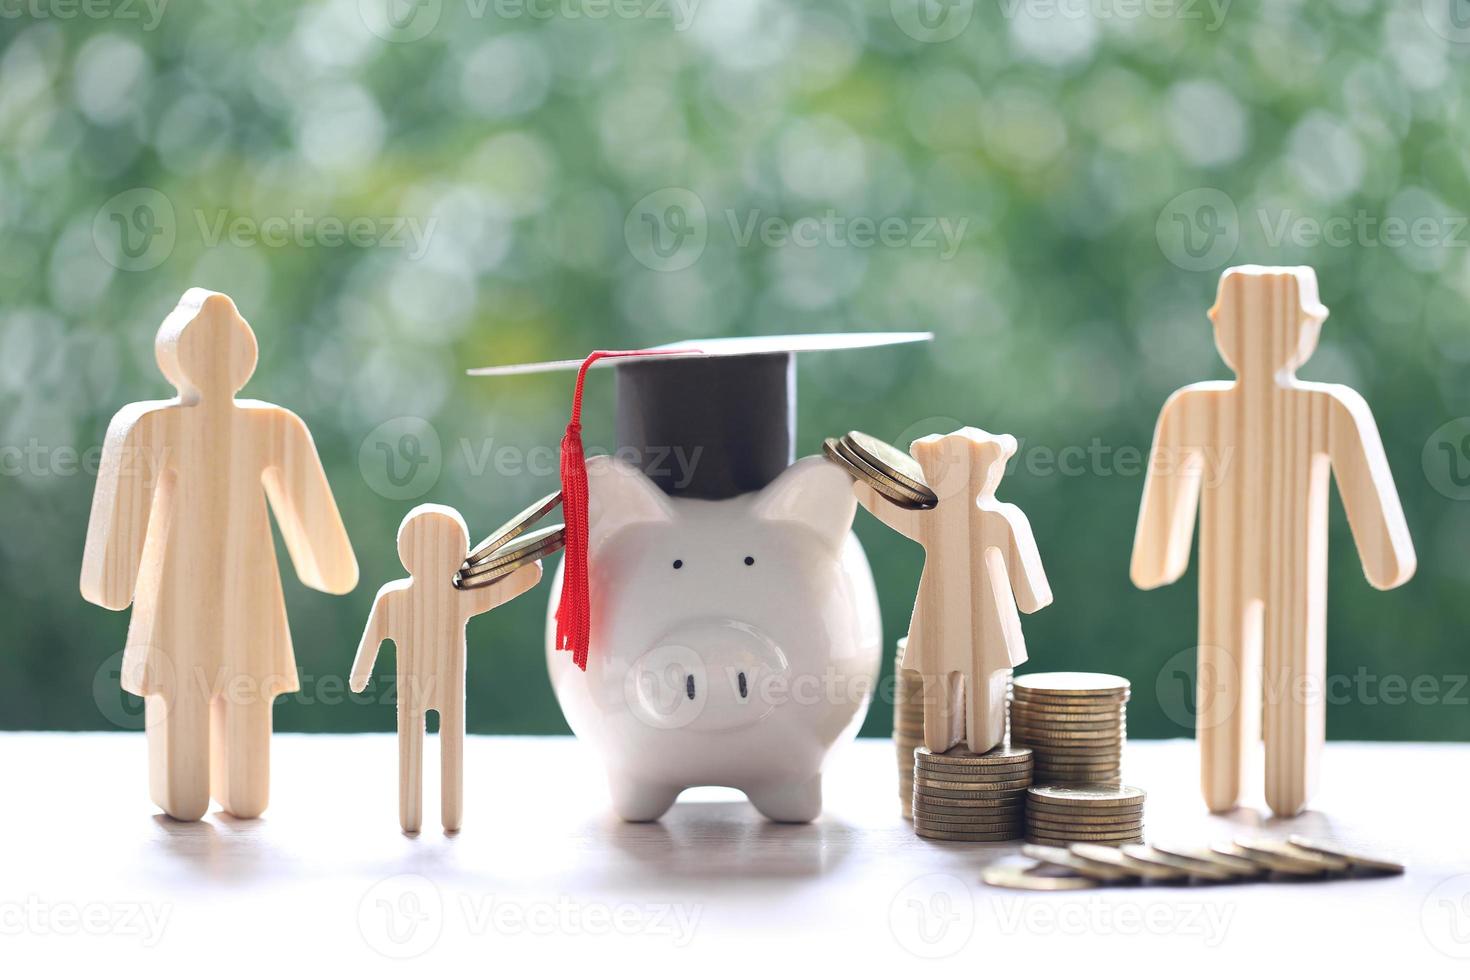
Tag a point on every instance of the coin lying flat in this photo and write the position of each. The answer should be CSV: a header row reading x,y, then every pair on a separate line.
x,y
960,756
1088,795
1114,857
1315,861
1071,682
1028,880
972,838
1043,835
1061,857
514,527
923,779
1012,802
1357,860
517,553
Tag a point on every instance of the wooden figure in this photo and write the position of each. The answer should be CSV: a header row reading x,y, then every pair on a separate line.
x,y
980,566
1263,529
425,616
179,529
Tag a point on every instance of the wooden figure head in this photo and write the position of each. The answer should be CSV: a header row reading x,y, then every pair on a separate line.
x,y
205,347
432,542
966,458
1273,336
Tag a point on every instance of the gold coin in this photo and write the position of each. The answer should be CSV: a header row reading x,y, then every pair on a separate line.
x,y
1238,867
1034,837
1043,727
1060,857
886,486
1027,880
973,838
1072,708
928,821
977,773
1205,870
970,814
519,553
1000,756
1006,795
1067,809
1096,796
1363,862
970,785
1013,801
892,462
1280,848
1114,857
1071,682
515,526
1126,835
1082,824
1272,862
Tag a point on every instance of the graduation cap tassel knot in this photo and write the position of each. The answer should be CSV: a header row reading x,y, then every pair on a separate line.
x,y
574,609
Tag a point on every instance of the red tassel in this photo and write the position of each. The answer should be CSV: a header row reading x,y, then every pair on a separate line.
x,y
574,610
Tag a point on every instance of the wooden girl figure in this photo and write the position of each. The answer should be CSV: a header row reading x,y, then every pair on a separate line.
x,y
1263,529
980,566
425,616
179,529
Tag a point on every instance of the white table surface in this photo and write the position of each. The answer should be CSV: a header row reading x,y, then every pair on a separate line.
x,y
92,877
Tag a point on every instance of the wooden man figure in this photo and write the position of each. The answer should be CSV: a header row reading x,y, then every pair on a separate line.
x,y
179,529
980,566
1263,529
425,616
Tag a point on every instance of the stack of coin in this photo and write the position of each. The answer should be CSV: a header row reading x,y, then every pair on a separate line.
x,y
513,545
1099,814
908,726
1074,722
964,796
893,473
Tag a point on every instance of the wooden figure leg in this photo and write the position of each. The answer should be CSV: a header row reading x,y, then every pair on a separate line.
x,y
1227,696
178,754
241,771
943,711
1296,697
451,764
410,767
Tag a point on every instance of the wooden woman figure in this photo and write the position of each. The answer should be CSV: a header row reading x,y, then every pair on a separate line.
x,y
425,616
980,566
1263,529
180,530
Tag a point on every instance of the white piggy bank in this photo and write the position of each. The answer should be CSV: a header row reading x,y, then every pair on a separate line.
x,y
734,642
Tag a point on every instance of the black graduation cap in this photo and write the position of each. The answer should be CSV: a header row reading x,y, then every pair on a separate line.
x,y
711,418
725,408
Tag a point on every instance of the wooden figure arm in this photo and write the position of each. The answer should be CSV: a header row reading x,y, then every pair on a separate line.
x,y
373,635
1023,563
128,477
901,519
486,599
1170,503
306,511
1366,486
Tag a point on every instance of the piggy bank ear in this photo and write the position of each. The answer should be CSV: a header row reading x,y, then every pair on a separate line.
x,y
619,495
812,492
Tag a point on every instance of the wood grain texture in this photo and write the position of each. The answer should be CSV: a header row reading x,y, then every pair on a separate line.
x,y
180,530
1253,458
425,616
980,567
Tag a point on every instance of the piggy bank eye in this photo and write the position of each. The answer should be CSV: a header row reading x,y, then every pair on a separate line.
x,y
749,560
678,563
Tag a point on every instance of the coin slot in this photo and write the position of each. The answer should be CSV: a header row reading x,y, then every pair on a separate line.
x,y
689,686
740,678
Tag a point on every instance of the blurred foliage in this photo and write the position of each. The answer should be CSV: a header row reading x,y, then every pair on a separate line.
x,y
520,139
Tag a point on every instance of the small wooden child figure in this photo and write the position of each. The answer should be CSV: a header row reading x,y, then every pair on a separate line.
x,y
425,616
1263,529
980,567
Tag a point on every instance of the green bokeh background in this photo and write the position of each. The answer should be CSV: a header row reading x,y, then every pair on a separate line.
x,y
1075,145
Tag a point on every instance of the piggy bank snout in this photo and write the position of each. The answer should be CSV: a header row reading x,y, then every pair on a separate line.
x,y
706,676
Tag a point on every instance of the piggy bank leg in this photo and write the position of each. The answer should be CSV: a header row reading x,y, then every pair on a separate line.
x,y
789,802
639,801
